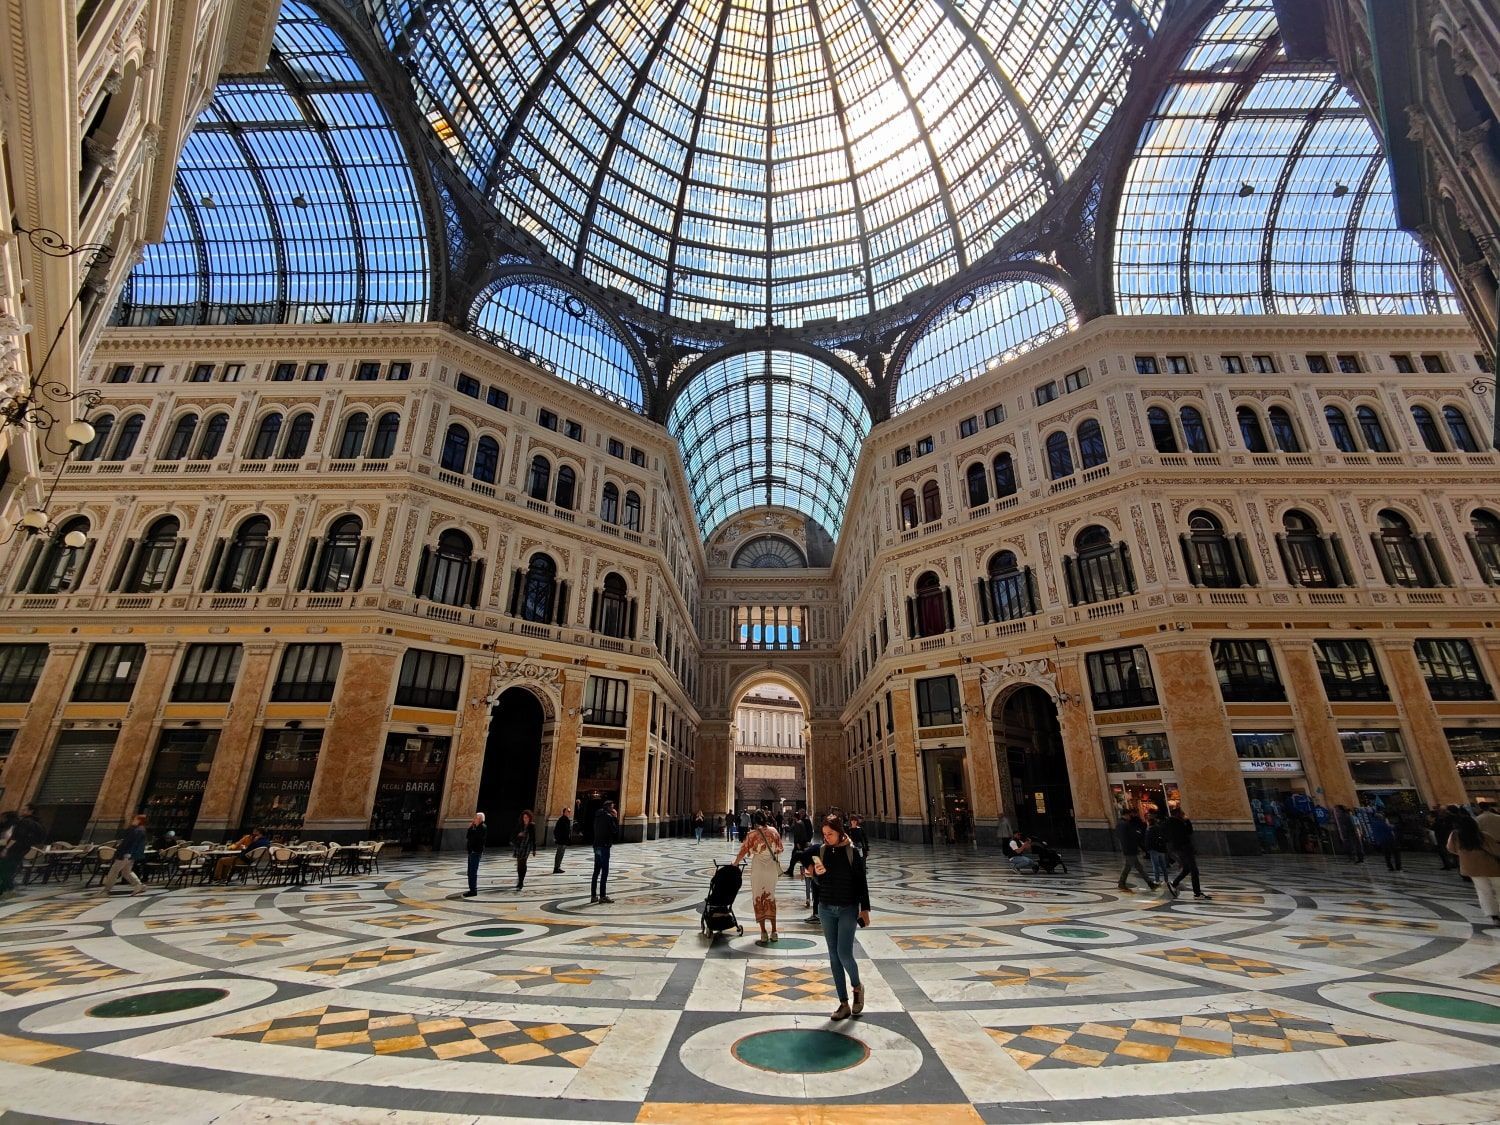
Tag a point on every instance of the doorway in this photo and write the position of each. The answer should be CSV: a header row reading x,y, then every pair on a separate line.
x,y
1034,769
512,763
949,820
770,751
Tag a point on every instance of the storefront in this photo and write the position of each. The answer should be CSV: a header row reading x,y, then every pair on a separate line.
x,y
411,781
1140,772
65,801
949,819
283,781
1476,753
1277,788
599,770
179,773
1380,769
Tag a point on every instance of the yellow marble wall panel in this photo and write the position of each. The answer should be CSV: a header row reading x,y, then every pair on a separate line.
x,y
212,712
984,791
1437,777
422,716
29,752
343,791
1092,805
466,757
563,784
95,712
1213,787
634,797
307,712
239,742
137,740
1322,754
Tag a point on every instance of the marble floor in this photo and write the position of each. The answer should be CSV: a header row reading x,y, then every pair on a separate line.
x,y
1304,990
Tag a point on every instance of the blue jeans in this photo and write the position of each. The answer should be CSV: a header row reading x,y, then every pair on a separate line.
x,y
697,835
599,881
1158,866
474,858
839,924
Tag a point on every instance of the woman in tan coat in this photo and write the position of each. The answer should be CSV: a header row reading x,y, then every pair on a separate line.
x,y
1479,858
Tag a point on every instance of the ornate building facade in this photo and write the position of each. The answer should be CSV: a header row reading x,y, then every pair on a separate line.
x,y
770,750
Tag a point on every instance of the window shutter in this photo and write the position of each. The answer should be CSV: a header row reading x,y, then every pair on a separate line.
x,y
948,606
83,564
421,572
1341,560
23,582
1287,566
1435,558
1127,571
1194,575
911,618
309,560
1484,571
630,627
174,564
1070,578
594,612
123,566
476,586
1248,575
1034,603
983,601
1383,559
263,579
513,608
211,572
562,603
360,565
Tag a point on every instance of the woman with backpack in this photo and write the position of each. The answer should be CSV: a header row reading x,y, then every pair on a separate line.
x,y
843,906
523,844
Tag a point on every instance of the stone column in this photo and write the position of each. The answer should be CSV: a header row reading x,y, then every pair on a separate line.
x,y
1202,743
1437,779
466,757
343,791
911,824
562,785
633,780
136,744
1323,757
38,731
239,743
1093,813
984,779
711,770
827,776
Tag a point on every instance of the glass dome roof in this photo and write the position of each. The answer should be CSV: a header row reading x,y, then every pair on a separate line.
x,y
775,162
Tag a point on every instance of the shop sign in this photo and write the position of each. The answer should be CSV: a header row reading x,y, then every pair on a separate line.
x,y
1270,765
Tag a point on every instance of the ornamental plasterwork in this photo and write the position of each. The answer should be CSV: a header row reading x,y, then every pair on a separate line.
x,y
1038,672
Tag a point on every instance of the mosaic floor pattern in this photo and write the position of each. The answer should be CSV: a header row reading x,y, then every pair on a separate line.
x,y
1302,988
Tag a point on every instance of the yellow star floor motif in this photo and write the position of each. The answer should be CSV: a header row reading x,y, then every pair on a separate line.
x,y
911,942
1042,976
789,982
48,912
251,941
1489,976
364,959
630,941
1259,1031
1328,941
202,920
394,921
445,1038
1386,922
34,970
538,976
1173,924
1219,962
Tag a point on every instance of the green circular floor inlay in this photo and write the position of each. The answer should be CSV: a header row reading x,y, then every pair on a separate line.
x,y
800,1052
793,943
1444,1007
495,931
1077,932
156,1003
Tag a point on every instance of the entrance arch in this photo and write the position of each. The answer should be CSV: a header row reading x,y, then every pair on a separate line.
x,y
1036,788
769,746
512,761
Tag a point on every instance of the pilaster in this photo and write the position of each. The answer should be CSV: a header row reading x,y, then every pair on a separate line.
x,y
343,792
1437,779
1323,754
239,742
38,731
137,741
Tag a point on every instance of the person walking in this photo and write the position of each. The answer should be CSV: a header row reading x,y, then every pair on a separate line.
x,y
1383,835
1157,847
475,841
763,846
843,906
802,834
606,829
1476,843
1440,824
26,832
698,827
1349,837
730,825
1180,842
523,845
131,851
562,832
857,834
1131,834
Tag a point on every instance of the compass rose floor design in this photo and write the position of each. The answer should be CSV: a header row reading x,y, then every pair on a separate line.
x,y
1305,990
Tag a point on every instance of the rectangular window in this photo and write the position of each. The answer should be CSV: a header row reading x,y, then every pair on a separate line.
x,y
1452,670
497,398
968,427
1376,759
1136,753
1434,364
924,446
121,373
1247,672
1262,748
1121,677
429,679
1318,364
606,702
467,385
202,373
207,674
1076,380
315,372
1265,364
616,448
179,774
573,430
1349,364
638,457
398,372
1179,365
1349,670
546,419
938,703
151,373
1404,364
20,671
367,372
1146,365
284,373
1046,392
1233,364
903,455
1476,753
283,779
109,674
994,416
232,372
308,674
7,741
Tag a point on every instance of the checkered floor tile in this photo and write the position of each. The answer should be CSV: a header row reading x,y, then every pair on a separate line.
x,y
630,941
1328,941
48,912
448,1038
1386,922
911,942
1039,976
202,920
539,976
1488,976
33,970
1172,923
1260,1031
395,921
1219,962
251,940
364,959
788,982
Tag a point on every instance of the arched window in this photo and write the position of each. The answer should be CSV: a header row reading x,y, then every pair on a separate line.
x,y
979,485
1372,430
567,485
1009,589
1194,432
386,430
1338,429
449,571
931,606
61,567
1283,432
1212,558
1163,437
339,560
297,434
909,516
264,442
614,607
1427,430
455,449
248,557
1005,475
632,511
1305,552
180,440
932,502
126,437
352,440
1251,434
1484,542
1059,456
486,459
213,436
609,504
539,482
1101,570
156,558
541,589
1459,430
1091,448
103,425
1404,558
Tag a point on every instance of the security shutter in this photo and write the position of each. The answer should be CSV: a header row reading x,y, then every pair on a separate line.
x,y
77,769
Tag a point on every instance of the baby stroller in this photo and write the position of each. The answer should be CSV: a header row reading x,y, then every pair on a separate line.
x,y
1049,859
718,908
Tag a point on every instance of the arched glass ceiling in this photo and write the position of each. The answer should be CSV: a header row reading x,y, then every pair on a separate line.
x,y
557,330
1259,186
777,161
294,201
769,428
979,329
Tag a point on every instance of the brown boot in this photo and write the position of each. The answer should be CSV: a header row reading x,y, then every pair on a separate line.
x,y
859,1001
841,1012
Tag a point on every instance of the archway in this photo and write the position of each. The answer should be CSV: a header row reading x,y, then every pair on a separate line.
x,y
1036,790
770,750
512,762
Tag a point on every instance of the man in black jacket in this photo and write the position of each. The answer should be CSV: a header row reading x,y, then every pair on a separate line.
x,y
562,832
476,841
1131,833
802,834
1180,839
26,832
606,828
